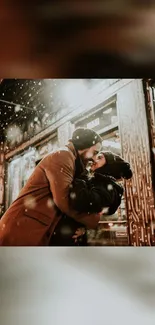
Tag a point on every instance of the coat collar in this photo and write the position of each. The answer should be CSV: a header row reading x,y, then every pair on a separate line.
x,y
79,166
72,148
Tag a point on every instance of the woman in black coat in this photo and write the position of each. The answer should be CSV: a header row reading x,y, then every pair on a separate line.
x,y
94,194
94,191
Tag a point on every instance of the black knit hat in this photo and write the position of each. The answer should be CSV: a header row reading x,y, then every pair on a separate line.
x,y
85,138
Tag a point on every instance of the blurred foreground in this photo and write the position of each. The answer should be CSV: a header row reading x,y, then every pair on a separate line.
x,y
80,286
77,39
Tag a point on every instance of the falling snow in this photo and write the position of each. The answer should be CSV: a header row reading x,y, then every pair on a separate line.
x,y
3,227
72,195
50,203
110,187
30,202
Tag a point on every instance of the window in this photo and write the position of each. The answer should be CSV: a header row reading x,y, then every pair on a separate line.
x,y
104,120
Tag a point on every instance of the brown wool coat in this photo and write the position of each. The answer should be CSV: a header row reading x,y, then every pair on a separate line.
x,y
33,216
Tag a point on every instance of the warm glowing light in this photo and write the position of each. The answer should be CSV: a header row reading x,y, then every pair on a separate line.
x,y
74,92
110,224
13,133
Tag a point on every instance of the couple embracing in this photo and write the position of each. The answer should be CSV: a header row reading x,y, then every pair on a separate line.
x,y
68,192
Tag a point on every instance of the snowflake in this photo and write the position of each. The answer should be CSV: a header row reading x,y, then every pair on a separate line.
x,y
17,108
77,137
110,187
50,203
30,202
72,195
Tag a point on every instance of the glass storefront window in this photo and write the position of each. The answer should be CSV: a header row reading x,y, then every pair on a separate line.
x,y
14,180
47,147
104,120
28,165
20,169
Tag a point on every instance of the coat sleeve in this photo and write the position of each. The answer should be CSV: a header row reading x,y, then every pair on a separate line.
x,y
60,173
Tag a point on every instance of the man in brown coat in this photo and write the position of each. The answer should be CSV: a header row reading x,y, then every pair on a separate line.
x,y
33,216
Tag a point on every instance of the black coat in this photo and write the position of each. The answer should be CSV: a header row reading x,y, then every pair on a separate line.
x,y
64,231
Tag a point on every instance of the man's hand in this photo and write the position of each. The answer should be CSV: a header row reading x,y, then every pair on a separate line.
x,y
79,232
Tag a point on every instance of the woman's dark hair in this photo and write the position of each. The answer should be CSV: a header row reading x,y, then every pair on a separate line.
x,y
115,166
92,195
